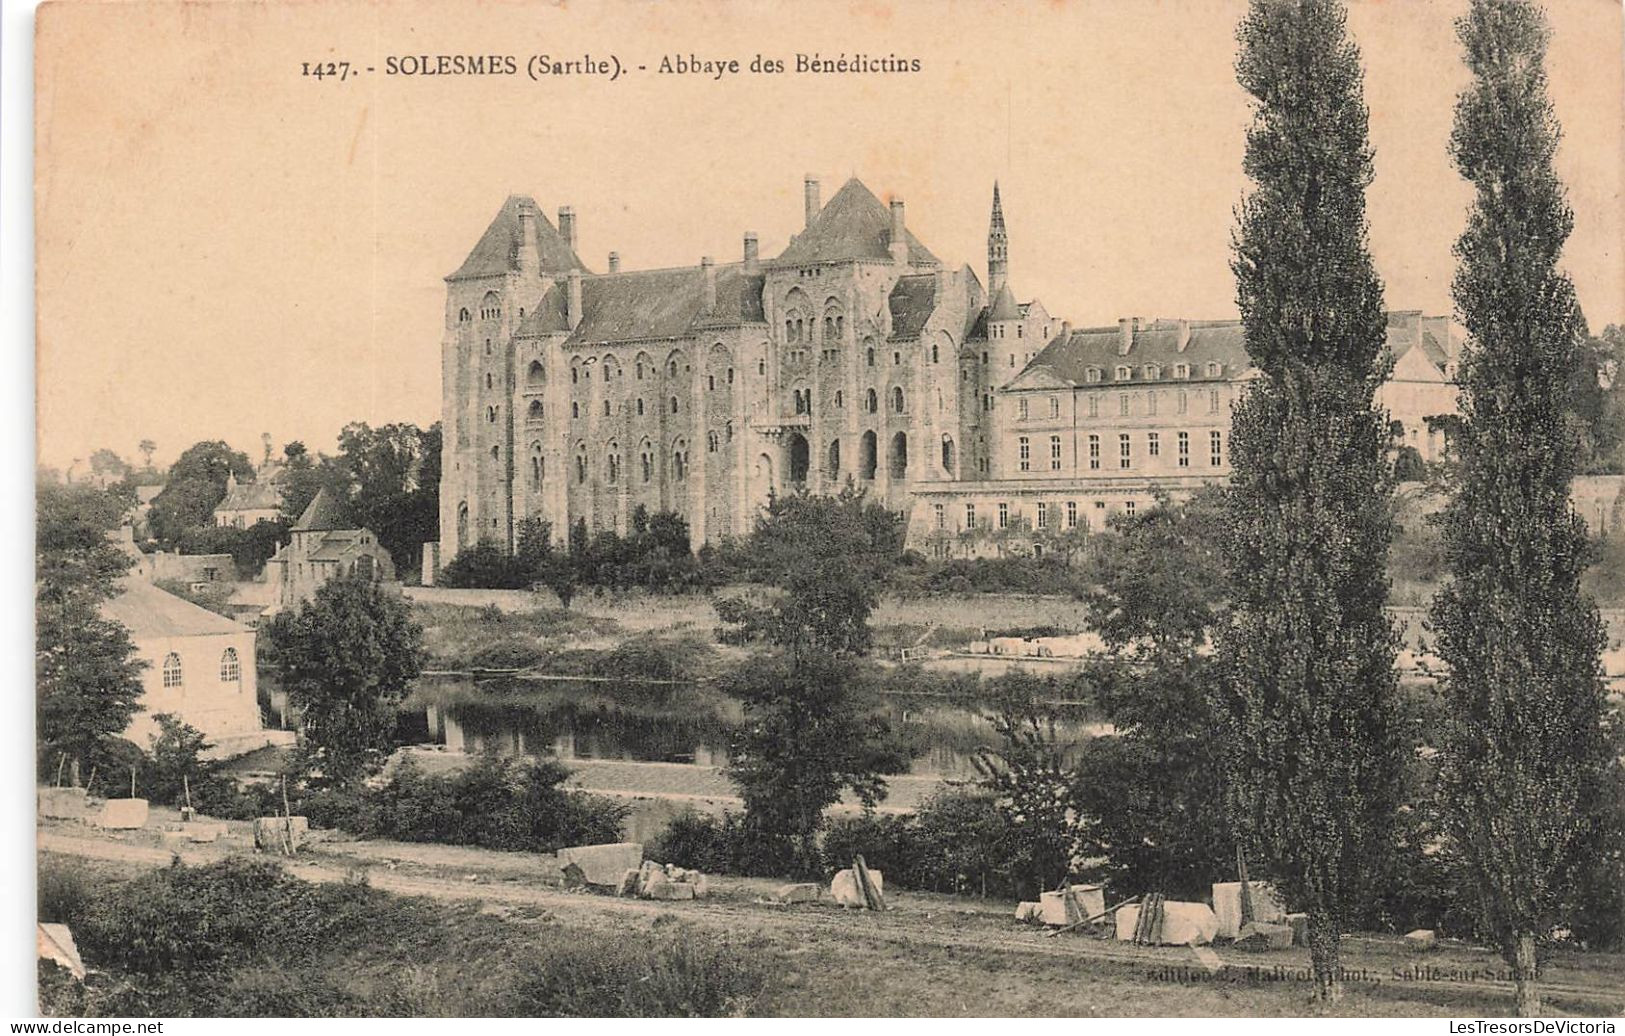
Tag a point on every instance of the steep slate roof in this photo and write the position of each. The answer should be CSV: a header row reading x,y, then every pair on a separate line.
x,y
1003,306
497,251
252,496
854,225
1069,357
336,547
324,513
147,611
913,299
649,304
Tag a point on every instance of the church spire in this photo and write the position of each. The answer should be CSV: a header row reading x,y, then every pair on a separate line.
x,y
998,247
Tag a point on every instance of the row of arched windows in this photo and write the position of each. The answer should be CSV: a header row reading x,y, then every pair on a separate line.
x,y
231,669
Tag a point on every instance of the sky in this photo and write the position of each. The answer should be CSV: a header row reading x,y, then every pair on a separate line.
x,y
227,247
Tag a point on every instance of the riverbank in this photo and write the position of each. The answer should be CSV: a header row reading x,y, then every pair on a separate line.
x,y
483,918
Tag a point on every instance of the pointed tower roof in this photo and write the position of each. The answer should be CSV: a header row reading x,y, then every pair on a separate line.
x,y
497,251
995,226
1004,305
854,225
324,514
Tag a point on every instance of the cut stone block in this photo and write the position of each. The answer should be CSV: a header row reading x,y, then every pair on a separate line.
x,y
1091,899
1267,905
1421,940
651,880
628,885
124,814
1030,913
1183,924
672,890
1262,936
63,803
845,888
274,834
798,893
56,943
700,884
205,832
603,864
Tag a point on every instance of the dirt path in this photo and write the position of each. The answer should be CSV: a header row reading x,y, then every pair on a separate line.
x,y
523,887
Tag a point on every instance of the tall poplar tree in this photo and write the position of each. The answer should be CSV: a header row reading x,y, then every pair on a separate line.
x,y
1308,653
1524,748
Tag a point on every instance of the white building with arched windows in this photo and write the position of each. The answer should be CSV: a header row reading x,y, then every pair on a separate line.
x,y
199,668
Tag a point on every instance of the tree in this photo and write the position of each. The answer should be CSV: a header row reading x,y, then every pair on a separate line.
x,y
108,466
147,448
1153,789
346,658
395,472
830,555
1597,400
305,476
1029,776
807,735
197,483
1524,750
86,670
1308,653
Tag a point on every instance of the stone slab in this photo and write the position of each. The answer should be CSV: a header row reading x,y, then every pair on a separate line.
x,y
1030,913
55,943
802,892
1057,912
845,888
63,804
1263,936
1421,940
1300,928
603,864
1183,924
205,832
124,814
272,834
1267,905
672,890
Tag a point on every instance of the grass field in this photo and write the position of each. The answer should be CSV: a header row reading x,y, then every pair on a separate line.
x,y
466,932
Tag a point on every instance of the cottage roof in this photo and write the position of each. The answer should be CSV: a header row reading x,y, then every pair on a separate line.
x,y
147,611
325,512
854,225
649,304
497,250
263,495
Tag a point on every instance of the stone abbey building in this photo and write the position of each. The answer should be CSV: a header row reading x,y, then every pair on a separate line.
x,y
855,354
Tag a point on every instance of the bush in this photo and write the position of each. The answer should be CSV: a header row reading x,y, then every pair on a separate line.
x,y
487,566
497,803
719,845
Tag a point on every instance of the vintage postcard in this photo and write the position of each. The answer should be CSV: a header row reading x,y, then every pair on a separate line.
x,y
859,508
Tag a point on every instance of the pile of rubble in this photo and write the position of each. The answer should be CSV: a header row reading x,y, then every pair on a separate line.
x,y
619,868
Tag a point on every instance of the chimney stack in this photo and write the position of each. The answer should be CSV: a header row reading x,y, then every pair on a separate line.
x,y
567,225
809,194
899,235
1125,335
1184,334
614,262
1066,330
529,261
709,270
572,303
752,264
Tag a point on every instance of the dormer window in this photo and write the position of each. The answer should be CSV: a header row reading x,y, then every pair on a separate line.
x,y
1182,370
1213,370
1124,373
1152,372
1092,374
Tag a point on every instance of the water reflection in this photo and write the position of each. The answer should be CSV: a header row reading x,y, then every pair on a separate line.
x,y
690,724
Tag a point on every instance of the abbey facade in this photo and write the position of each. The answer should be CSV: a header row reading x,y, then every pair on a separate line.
x,y
856,354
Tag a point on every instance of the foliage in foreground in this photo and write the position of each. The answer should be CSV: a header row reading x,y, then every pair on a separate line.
x,y
242,938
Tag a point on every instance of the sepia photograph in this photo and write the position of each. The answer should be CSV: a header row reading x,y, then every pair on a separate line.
x,y
859,508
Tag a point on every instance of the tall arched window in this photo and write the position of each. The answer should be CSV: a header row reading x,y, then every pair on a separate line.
x,y
674,404
536,373
172,670
535,410
231,670
897,398
871,402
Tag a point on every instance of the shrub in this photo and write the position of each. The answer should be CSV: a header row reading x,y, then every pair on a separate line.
x,y
719,845
487,566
